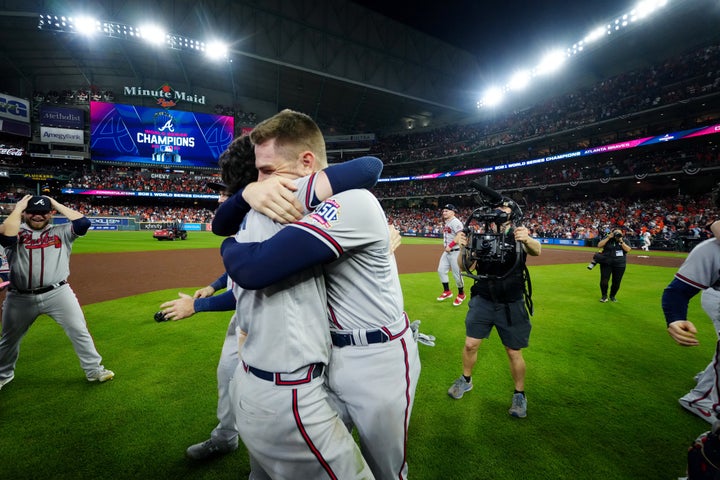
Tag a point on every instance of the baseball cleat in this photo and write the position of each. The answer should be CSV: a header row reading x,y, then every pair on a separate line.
x,y
459,300
101,375
603,299
459,387
6,381
702,411
444,295
519,406
208,449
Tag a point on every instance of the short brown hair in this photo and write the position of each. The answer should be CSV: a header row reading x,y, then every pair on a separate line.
x,y
294,133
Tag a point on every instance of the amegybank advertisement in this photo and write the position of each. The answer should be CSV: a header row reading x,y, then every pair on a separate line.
x,y
174,139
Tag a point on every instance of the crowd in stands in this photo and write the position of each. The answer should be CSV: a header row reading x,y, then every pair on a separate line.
x,y
684,77
141,180
671,221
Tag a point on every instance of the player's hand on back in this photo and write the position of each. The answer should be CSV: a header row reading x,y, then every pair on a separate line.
x,y
274,198
395,238
684,333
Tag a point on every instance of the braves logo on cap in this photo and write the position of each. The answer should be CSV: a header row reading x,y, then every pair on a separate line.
x,y
38,204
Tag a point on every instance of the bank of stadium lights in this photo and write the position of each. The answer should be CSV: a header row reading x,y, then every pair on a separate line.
x,y
153,34
520,80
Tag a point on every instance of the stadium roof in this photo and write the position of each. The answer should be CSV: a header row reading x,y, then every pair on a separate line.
x,y
350,68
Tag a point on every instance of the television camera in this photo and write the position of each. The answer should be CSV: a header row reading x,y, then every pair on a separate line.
x,y
488,241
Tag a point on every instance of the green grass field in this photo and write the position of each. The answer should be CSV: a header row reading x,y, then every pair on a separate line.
x,y
603,382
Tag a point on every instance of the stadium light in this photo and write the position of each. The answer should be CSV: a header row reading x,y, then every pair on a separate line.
x,y
551,62
216,50
493,96
153,34
642,10
519,80
86,26
149,33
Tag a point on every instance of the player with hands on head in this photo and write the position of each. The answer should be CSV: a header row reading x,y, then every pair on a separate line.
x,y
38,253
700,272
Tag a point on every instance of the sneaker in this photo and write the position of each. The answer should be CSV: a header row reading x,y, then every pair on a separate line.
x,y
459,388
519,406
444,295
459,300
703,412
101,375
603,299
613,299
208,449
6,381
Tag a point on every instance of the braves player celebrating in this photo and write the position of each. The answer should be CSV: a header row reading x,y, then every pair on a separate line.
x,y
287,346
39,258
448,259
374,366
700,272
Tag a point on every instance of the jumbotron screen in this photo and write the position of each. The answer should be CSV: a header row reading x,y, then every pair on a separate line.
x,y
155,136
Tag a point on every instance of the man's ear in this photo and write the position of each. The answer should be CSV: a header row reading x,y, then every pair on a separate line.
x,y
308,162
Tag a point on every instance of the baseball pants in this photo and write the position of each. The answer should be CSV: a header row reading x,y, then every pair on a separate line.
x,y
705,393
21,310
225,434
448,263
292,431
373,388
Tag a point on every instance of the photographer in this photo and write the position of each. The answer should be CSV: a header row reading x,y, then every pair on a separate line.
x,y
499,298
615,250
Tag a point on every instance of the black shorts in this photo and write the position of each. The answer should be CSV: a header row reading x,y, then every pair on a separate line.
x,y
484,314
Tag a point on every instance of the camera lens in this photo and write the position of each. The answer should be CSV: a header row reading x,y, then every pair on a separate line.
x,y
591,265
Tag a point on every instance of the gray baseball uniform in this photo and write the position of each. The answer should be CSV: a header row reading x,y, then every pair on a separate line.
x,y
282,408
448,260
375,366
701,270
39,267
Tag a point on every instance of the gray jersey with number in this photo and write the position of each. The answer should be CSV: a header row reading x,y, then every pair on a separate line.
x,y
354,226
701,268
40,258
286,322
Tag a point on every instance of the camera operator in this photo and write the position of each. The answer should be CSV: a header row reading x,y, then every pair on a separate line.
x,y
499,298
615,251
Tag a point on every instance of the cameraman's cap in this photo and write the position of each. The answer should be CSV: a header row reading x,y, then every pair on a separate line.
x,y
38,204
450,206
216,186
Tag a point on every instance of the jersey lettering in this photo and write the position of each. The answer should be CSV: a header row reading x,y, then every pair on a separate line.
x,y
43,241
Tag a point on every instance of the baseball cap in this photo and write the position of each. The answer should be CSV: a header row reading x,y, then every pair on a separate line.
x,y
450,206
38,204
217,186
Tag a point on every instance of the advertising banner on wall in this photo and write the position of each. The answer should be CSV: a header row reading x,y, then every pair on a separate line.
x,y
62,135
14,108
61,117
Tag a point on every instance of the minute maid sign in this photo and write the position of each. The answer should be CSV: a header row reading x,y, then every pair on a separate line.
x,y
165,95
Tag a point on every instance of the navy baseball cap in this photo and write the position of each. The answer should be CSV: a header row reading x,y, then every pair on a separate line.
x,y
217,186
450,206
39,204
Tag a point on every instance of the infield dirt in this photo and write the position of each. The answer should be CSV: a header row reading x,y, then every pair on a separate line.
x,y
108,276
